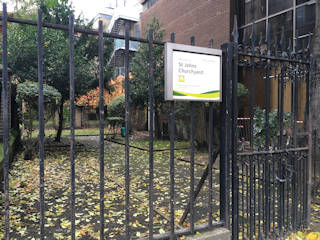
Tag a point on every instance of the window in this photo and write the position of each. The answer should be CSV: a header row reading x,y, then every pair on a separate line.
x,y
301,1
252,10
148,4
280,13
279,5
282,20
305,19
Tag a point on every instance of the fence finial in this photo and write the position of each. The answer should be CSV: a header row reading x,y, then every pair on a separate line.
x,y
244,38
290,48
297,43
309,45
252,37
211,43
283,41
235,32
192,41
172,37
261,42
276,45
150,34
268,38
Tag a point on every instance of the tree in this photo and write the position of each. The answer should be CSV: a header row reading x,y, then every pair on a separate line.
x,y
140,75
27,96
91,98
22,52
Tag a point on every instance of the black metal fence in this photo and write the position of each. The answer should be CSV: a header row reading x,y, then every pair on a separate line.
x,y
174,232
271,176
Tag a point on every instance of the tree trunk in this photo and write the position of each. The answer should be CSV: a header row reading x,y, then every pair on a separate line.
x,y
30,123
15,119
157,123
58,136
315,84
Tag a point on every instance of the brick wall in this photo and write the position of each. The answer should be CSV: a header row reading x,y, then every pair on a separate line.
x,y
204,19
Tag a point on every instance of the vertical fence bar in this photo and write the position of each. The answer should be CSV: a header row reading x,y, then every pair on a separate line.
x,y
224,134
247,199
192,159
255,162
295,106
171,118
309,69
41,119
267,140
280,168
242,199
305,187
310,74
235,180
101,128
308,173
314,161
259,196
5,119
299,191
273,174
127,119
210,193
293,160
151,113
252,177
72,120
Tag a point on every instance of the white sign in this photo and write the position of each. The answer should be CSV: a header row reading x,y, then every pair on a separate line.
x,y
192,73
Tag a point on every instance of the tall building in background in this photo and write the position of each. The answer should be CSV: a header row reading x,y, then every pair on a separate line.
x,y
116,14
297,17
203,19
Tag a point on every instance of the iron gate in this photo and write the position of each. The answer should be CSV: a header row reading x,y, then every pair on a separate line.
x,y
208,173
271,174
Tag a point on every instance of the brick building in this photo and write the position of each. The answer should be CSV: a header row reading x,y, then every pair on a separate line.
x,y
203,19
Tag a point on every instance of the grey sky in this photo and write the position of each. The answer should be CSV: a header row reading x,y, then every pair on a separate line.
x,y
89,8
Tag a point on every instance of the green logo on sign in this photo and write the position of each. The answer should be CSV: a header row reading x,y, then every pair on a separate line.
x,y
181,78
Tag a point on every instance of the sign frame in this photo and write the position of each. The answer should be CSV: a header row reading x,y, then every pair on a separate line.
x,y
168,59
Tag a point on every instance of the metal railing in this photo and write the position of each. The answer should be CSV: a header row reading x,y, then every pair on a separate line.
x,y
277,175
271,178
71,29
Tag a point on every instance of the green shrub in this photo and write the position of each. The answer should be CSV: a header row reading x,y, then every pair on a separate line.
x,y
259,131
116,108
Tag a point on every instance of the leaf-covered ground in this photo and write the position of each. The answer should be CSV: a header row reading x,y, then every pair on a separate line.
x,y
24,191
313,233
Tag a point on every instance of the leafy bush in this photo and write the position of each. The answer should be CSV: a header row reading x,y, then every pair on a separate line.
x,y
115,121
27,96
28,92
259,131
116,108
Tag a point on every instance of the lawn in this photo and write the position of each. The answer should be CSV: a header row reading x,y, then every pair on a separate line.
x,y
51,132
24,191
